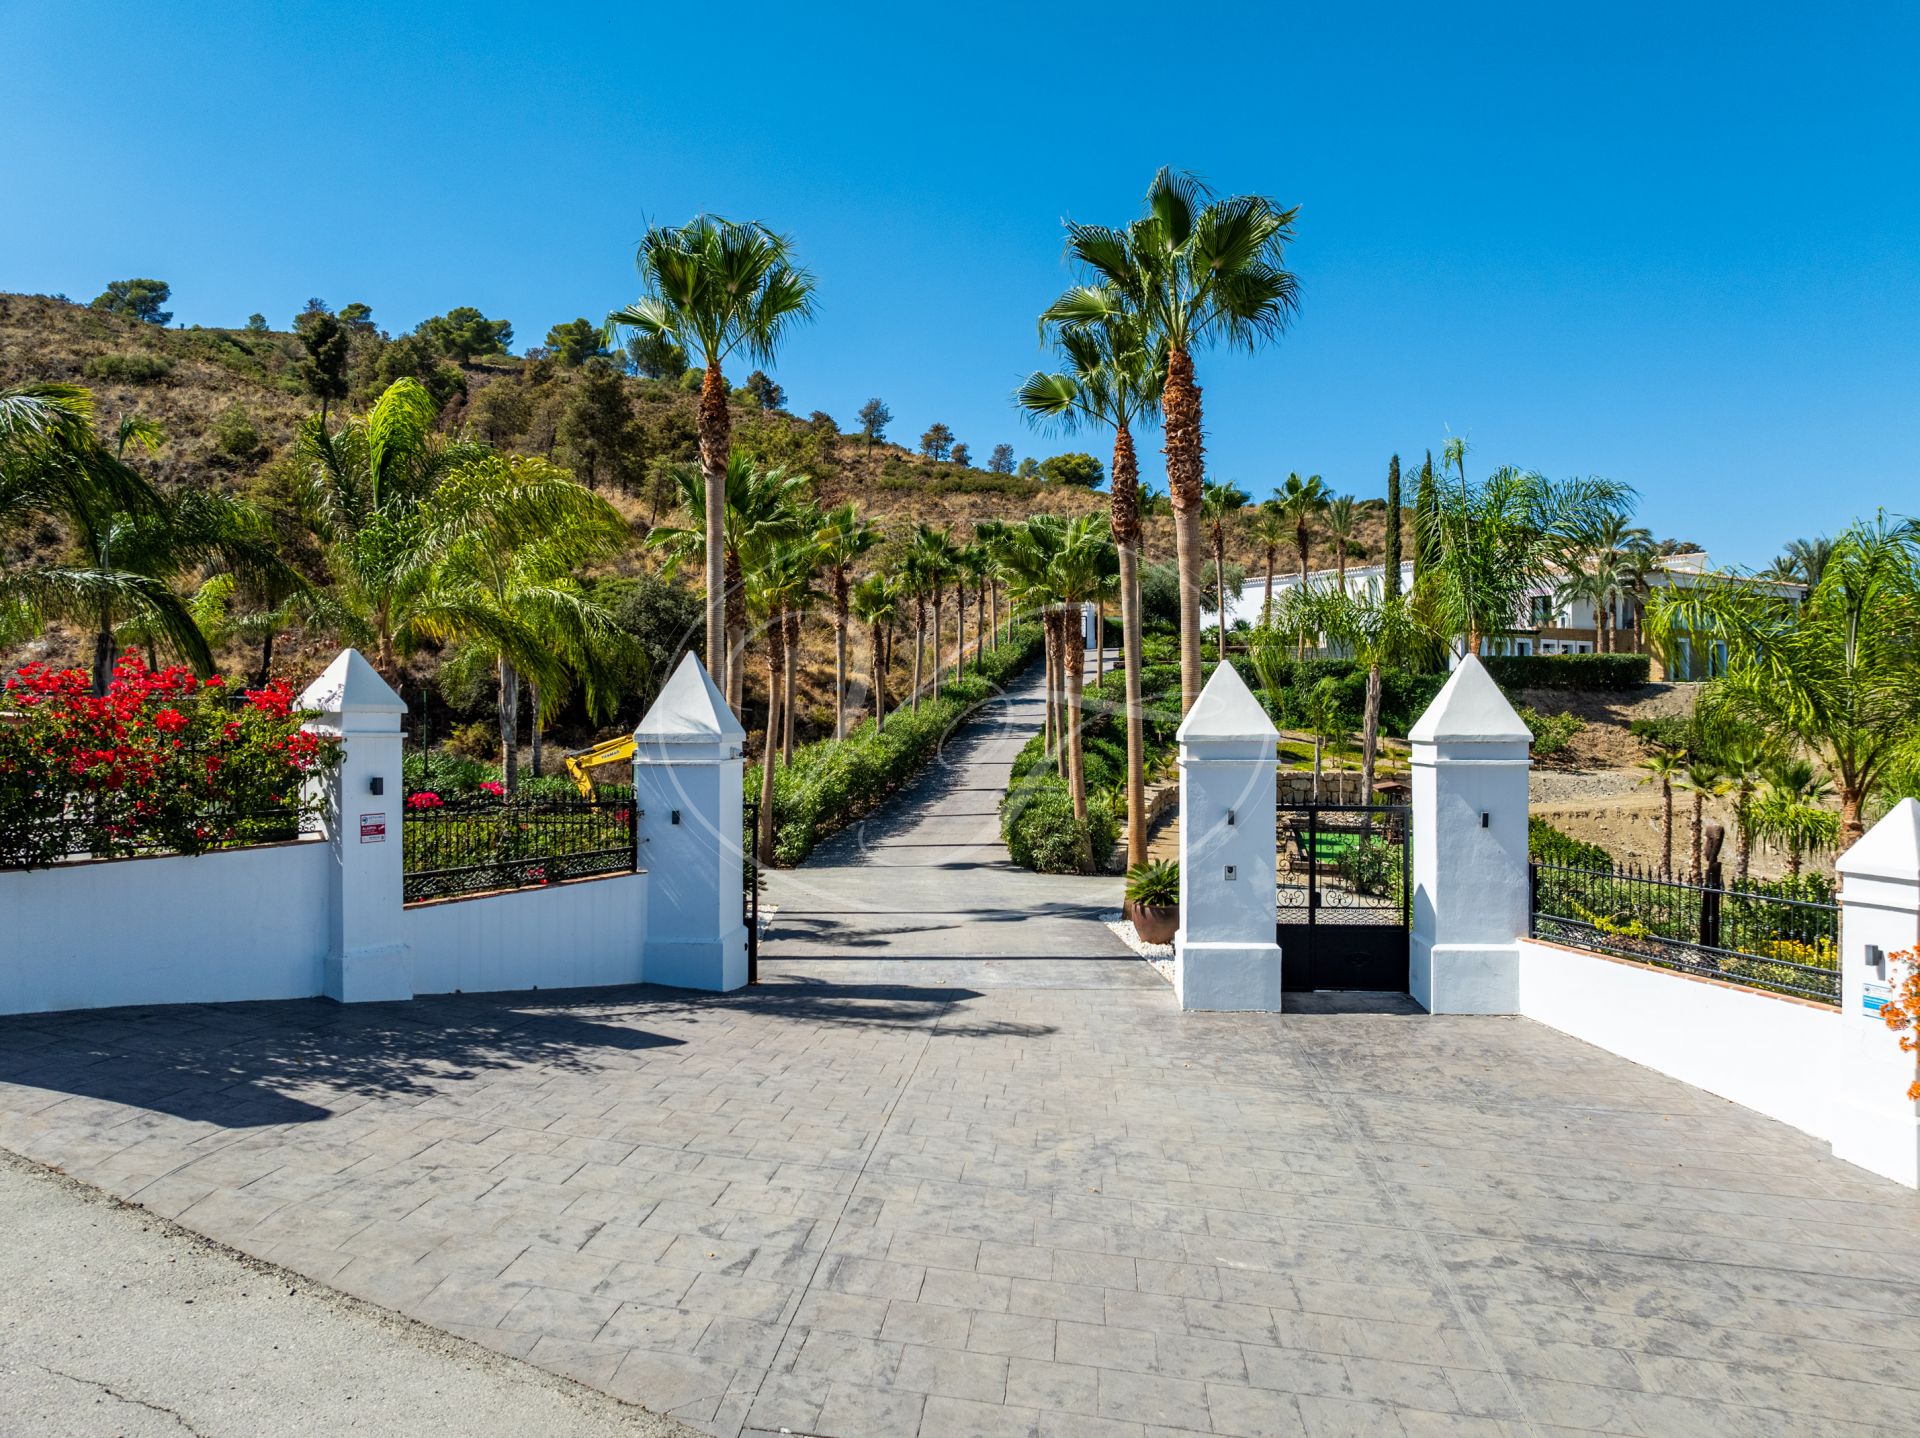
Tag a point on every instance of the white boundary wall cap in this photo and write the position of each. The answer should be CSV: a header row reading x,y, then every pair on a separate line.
x,y
1470,709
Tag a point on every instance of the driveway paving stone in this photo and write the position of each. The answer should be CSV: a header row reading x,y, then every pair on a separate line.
x,y
897,1189
846,1203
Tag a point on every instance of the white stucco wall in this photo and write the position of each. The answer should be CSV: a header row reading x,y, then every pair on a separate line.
x,y
213,928
578,935
1769,1053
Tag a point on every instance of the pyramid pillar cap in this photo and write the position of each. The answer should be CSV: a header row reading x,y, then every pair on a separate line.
x,y
1470,709
690,710
351,686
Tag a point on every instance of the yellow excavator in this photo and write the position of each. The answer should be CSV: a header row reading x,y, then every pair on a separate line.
x,y
582,762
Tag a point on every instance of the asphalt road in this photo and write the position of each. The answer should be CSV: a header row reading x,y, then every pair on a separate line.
x,y
115,1322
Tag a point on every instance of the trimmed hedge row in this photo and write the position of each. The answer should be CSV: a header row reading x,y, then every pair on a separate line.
x,y
829,784
1036,813
1605,672
1548,845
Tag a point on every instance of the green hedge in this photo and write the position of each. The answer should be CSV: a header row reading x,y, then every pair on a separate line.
x,y
1605,672
1036,814
1548,845
829,784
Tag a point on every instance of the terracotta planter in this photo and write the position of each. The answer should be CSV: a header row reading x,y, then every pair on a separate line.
x,y
1156,925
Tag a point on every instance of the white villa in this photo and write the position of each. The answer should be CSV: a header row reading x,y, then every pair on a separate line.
x,y
1546,626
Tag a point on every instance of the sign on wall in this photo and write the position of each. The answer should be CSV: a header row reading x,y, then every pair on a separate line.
x,y
373,828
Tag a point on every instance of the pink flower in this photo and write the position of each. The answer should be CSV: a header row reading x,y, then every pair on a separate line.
x,y
425,799
493,787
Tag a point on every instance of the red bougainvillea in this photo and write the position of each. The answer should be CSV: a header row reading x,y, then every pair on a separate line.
x,y
162,761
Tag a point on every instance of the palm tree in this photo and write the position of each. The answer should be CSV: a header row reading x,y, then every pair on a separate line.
x,y
1744,757
366,484
843,537
1196,269
761,505
1060,567
1377,628
54,466
1662,769
779,576
1806,559
876,604
1304,503
1836,671
1341,519
1494,543
502,538
935,558
1217,501
977,568
714,286
1792,811
1115,370
1703,781
1271,529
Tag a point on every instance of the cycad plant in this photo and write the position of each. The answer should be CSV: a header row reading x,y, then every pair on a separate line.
x,y
1196,269
715,287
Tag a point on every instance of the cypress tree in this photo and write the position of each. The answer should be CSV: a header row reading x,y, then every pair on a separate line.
x,y
1391,578
1426,506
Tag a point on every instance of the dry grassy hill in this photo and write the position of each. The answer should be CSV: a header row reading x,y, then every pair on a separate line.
x,y
230,401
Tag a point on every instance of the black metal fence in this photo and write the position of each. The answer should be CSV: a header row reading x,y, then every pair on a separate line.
x,y
475,845
750,887
1778,942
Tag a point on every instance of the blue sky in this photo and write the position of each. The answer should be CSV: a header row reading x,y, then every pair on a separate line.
x,y
1670,245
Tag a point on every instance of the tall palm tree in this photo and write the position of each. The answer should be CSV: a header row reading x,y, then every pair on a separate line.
x,y
714,287
1703,780
760,505
1342,517
844,535
935,557
876,604
1304,503
1114,373
1271,529
1197,269
779,575
1217,503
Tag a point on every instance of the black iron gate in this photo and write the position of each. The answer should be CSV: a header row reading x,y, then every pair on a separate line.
x,y
1345,891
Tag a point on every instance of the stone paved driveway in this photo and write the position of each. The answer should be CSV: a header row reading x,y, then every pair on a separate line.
x,y
1016,1198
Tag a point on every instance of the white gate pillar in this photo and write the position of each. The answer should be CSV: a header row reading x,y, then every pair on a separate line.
x,y
1225,956
367,961
688,775
1471,754
1875,1124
